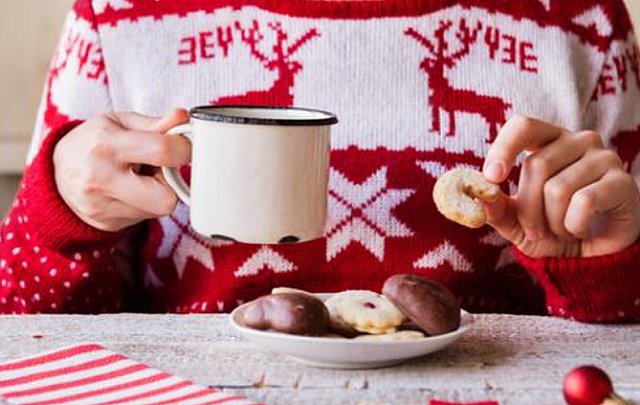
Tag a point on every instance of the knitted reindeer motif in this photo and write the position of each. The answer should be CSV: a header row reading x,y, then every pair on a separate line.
x,y
281,92
74,46
442,96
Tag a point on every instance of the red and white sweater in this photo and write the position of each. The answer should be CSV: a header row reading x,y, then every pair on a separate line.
x,y
409,108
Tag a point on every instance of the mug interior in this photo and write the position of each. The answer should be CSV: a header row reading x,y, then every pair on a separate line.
x,y
264,115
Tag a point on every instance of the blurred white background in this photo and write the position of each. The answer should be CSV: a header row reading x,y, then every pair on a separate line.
x,y
25,57
634,7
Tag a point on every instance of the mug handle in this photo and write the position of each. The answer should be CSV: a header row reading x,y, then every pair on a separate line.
x,y
172,174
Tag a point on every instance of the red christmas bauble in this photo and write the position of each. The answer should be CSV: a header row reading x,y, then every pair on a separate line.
x,y
587,385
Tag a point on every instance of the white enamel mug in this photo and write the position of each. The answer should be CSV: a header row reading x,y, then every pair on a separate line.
x,y
258,174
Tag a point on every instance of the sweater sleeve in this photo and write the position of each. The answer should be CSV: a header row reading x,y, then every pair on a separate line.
x,y
51,261
605,288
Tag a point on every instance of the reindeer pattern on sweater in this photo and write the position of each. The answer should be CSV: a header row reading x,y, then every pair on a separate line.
x,y
419,87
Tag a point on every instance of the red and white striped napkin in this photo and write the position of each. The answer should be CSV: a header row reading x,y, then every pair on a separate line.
x,y
90,374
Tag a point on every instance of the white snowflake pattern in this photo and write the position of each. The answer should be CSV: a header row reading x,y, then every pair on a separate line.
x,y
151,279
436,169
494,239
546,4
265,258
361,213
100,5
444,253
595,17
181,243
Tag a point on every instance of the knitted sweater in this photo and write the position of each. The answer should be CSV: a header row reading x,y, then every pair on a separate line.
x,y
420,86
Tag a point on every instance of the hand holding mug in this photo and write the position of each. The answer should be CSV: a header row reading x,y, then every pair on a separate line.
x,y
96,168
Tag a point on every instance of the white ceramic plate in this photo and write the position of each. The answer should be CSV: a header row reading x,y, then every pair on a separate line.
x,y
348,353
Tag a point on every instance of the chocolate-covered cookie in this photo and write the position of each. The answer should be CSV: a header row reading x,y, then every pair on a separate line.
x,y
291,312
427,303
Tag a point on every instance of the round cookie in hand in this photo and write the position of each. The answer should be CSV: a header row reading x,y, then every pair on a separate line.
x,y
455,193
288,312
356,311
428,304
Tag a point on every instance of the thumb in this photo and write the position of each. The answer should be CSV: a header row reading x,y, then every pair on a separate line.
x,y
176,117
502,215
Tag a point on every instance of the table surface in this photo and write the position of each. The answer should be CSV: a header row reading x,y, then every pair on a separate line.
x,y
517,360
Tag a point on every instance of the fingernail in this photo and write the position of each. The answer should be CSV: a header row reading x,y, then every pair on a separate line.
x,y
494,171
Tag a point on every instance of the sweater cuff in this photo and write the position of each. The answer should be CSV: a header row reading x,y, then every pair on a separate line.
x,y
51,222
592,289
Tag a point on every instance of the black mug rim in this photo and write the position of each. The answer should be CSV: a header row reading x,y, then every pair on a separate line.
x,y
207,113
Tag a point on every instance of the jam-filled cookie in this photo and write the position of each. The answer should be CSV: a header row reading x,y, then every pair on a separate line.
x,y
363,311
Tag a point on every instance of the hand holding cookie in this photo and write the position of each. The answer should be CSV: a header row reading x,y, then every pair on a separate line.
x,y
574,197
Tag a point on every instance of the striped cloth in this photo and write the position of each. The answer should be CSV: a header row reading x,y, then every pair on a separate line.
x,y
90,374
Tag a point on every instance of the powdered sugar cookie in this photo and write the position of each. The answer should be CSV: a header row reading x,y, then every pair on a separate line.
x,y
455,194
283,290
363,311
400,335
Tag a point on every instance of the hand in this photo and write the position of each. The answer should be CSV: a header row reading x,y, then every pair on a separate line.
x,y
574,198
99,168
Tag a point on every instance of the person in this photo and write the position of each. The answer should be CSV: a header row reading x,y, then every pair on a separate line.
x,y
542,95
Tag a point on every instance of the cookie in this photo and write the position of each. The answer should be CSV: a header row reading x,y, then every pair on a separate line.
x,y
400,335
363,311
429,304
455,194
293,313
280,290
